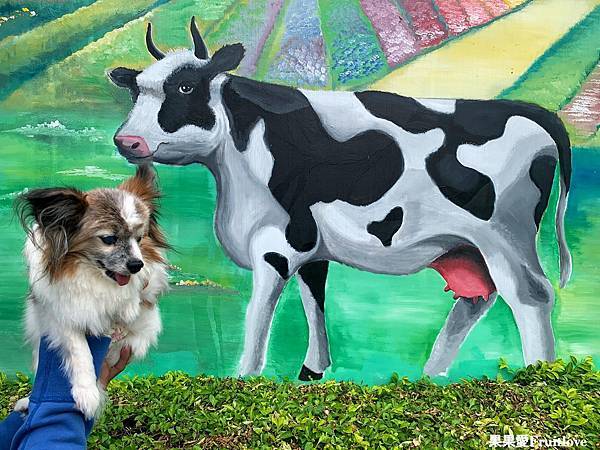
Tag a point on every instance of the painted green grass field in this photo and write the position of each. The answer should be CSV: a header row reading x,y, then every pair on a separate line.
x,y
58,113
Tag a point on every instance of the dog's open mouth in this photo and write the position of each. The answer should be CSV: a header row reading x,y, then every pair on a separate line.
x,y
121,279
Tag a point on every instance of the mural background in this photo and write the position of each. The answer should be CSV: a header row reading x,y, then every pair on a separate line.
x,y
58,113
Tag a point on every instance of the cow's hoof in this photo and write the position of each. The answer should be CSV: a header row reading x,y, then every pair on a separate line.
x,y
308,375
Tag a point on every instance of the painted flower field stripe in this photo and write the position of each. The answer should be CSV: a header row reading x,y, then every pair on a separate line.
x,y
250,23
301,57
273,9
454,15
476,13
491,56
583,111
425,21
396,37
495,7
513,3
272,45
353,52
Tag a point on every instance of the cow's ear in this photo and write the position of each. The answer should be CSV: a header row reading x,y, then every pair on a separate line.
x,y
227,58
123,77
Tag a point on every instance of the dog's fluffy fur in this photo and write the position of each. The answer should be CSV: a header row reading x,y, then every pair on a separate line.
x,y
85,252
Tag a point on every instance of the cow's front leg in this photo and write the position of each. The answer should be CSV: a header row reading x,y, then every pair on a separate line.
x,y
269,275
312,278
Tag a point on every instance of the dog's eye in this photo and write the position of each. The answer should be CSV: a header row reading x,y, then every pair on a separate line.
x,y
138,239
186,89
109,240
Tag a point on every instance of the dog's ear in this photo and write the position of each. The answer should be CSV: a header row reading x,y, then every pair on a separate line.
x,y
58,213
52,208
144,186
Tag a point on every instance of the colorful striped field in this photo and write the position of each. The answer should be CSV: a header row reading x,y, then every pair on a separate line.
x,y
490,59
427,48
314,43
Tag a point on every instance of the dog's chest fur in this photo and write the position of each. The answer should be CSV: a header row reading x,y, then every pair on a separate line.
x,y
86,299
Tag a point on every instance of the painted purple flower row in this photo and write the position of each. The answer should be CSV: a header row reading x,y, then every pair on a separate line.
x,y
301,58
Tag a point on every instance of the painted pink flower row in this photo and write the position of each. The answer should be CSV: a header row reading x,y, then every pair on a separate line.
x,y
397,38
427,22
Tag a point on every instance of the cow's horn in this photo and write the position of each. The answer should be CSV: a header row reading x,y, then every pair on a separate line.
x,y
199,47
150,44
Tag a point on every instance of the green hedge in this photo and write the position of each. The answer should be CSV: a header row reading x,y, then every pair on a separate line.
x,y
178,411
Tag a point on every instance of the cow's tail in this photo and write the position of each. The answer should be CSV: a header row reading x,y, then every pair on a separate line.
x,y
557,131
566,261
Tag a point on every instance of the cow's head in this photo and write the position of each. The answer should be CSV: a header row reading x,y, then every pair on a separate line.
x,y
178,117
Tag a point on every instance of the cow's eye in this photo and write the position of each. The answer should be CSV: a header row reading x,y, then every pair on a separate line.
x,y
109,240
186,89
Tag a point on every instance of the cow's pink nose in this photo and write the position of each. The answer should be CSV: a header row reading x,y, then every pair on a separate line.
x,y
132,146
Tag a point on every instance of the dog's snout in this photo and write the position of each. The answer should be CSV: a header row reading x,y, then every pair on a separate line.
x,y
132,146
135,265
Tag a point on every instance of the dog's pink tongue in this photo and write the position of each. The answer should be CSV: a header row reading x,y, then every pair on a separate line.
x,y
122,280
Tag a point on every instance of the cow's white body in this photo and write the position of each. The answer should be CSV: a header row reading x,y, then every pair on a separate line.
x,y
250,223
241,217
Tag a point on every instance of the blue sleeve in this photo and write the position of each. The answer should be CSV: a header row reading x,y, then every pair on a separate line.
x,y
53,422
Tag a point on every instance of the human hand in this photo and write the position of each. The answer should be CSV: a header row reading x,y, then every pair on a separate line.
x,y
108,372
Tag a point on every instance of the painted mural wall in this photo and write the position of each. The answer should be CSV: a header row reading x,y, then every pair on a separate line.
x,y
59,112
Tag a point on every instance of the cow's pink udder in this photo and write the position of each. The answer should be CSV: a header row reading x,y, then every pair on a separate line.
x,y
466,273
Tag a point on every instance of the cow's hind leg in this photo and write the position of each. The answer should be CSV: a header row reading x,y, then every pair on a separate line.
x,y
461,320
311,278
520,279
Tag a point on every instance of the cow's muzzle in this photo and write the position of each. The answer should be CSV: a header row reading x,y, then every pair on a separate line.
x,y
132,146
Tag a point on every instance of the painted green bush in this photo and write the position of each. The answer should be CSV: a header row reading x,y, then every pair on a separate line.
x,y
36,13
179,411
24,55
80,81
558,74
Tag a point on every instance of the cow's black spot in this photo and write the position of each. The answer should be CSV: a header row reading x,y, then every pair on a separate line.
x,y
314,274
473,122
241,92
308,375
309,165
541,173
279,263
385,229
463,186
180,109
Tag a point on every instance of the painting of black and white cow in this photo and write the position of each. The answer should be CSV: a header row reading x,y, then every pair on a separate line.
x,y
377,181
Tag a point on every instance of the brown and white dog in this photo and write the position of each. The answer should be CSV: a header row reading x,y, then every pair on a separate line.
x,y
96,267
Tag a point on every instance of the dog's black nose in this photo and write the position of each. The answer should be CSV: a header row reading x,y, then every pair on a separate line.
x,y
135,265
